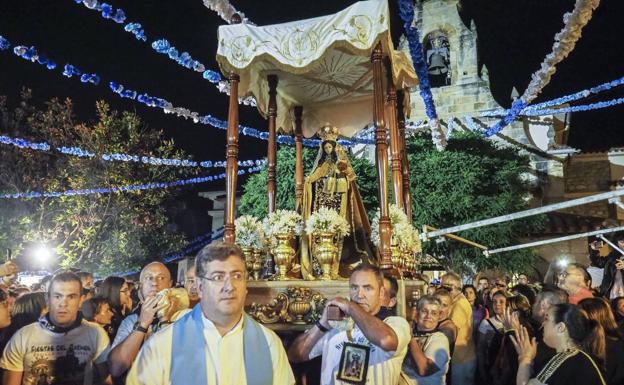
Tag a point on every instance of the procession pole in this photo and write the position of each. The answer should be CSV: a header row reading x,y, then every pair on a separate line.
x,y
298,159
381,157
272,146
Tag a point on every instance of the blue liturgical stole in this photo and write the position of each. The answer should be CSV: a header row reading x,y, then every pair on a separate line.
x,y
188,351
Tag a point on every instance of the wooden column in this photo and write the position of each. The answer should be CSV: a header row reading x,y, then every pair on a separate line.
x,y
231,169
272,150
407,193
381,157
395,139
298,159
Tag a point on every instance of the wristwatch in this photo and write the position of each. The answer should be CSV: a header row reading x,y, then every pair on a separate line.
x,y
321,327
137,327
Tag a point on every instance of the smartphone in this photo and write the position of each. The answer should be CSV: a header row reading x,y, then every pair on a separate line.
x,y
334,313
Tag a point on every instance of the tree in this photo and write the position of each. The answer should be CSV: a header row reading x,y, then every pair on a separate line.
x,y
472,179
101,232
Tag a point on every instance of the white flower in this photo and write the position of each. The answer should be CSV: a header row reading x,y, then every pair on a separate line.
x,y
283,221
397,216
327,220
249,232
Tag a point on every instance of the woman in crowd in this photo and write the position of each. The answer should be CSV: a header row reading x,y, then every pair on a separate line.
x,y
115,290
478,311
617,305
598,310
26,310
502,352
580,345
98,310
445,325
488,329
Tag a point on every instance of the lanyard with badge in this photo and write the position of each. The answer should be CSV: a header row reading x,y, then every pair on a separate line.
x,y
353,365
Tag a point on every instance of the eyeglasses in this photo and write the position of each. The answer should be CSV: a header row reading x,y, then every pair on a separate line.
x,y
191,281
154,278
219,278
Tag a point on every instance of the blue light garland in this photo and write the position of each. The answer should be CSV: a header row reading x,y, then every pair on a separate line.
x,y
406,10
108,190
586,107
106,10
120,157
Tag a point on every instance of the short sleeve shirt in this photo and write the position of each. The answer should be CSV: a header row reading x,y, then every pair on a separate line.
x,y
45,357
383,367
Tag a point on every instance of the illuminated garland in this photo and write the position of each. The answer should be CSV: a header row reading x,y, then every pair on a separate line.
x,y
416,49
164,47
565,41
108,190
120,157
224,9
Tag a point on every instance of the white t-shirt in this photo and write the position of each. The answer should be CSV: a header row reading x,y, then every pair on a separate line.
x,y
383,367
224,358
125,328
436,348
45,357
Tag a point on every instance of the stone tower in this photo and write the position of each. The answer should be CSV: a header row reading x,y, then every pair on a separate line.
x,y
465,92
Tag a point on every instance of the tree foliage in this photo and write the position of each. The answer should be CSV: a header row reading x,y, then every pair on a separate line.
x,y
102,233
473,179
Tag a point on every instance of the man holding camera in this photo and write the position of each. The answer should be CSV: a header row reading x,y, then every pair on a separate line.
x,y
370,350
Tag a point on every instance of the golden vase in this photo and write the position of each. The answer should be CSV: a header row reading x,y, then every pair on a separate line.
x,y
249,257
299,308
326,253
396,256
256,267
283,255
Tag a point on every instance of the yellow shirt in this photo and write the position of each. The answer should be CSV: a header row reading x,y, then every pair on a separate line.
x,y
224,358
461,315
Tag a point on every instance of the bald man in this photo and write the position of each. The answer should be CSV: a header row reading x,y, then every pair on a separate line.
x,y
134,329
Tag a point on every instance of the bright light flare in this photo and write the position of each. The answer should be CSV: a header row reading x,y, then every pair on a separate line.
x,y
563,262
43,254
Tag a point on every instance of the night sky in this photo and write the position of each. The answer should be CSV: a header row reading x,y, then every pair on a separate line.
x,y
514,37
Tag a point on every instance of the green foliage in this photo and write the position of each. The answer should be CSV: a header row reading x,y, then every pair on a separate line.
x,y
255,202
473,179
101,233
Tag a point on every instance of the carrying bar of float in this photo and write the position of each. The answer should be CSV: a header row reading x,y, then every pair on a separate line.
x,y
458,238
554,240
525,213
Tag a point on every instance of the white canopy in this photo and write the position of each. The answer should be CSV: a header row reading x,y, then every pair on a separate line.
x,y
322,64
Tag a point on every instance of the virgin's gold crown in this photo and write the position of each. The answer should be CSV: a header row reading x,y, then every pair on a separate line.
x,y
329,133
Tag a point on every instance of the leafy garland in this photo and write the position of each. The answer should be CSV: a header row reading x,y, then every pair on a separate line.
x,y
416,50
119,189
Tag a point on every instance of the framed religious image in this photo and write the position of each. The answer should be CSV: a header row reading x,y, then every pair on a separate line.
x,y
353,363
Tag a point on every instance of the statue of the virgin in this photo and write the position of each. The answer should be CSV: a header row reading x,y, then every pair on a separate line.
x,y
332,184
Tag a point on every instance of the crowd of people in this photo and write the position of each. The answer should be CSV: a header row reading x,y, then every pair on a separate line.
x,y
70,329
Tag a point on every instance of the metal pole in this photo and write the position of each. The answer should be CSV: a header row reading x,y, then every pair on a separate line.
x,y
611,244
459,239
525,213
554,240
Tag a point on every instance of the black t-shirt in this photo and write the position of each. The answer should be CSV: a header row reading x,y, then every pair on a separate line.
x,y
572,367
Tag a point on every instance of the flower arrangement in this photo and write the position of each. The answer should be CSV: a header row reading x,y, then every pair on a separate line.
x,y
249,231
327,220
406,237
283,221
396,216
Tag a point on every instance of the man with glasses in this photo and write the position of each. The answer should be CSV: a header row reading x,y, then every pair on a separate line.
x,y
216,343
135,327
575,280
428,356
464,360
